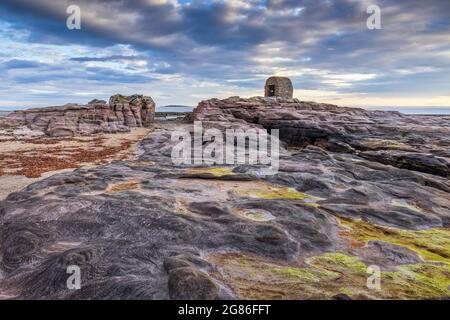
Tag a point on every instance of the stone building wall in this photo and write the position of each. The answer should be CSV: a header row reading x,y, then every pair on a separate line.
x,y
279,87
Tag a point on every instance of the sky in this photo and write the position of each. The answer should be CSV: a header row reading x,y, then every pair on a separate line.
x,y
181,52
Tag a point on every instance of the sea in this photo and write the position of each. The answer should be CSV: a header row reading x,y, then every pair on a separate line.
x,y
416,110
180,109
177,109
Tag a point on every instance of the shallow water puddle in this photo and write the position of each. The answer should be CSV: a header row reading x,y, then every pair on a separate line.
x,y
258,215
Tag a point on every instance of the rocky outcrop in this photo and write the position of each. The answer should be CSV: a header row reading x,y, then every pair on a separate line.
x,y
133,111
150,229
419,143
121,114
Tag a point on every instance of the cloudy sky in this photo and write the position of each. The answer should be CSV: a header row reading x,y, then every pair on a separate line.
x,y
183,51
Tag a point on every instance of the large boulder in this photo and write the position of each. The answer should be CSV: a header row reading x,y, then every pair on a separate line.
x,y
134,111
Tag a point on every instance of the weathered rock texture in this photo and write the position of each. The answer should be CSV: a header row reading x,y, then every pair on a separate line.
x,y
133,111
120,115
148,229
419,143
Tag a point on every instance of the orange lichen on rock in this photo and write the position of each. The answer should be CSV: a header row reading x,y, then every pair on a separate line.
x,y
123,186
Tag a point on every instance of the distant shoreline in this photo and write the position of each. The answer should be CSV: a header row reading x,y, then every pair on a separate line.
x,y
417,111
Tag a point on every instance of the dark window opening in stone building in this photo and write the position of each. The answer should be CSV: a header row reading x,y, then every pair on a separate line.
x,y
272,91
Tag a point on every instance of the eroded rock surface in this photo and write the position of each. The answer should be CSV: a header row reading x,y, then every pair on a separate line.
x,y
121,114
419,143
147,229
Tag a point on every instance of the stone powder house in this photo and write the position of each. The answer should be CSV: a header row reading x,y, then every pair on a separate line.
x,y
279,87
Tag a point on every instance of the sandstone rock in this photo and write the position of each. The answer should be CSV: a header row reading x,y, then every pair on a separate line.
x,y
190,284
391,254
97,101
134,111
69,120
417,143
334,208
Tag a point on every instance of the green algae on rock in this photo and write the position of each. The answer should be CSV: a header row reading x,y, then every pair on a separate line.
x,y
272,192
433,245
212,171
327,275
253,277
416,281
